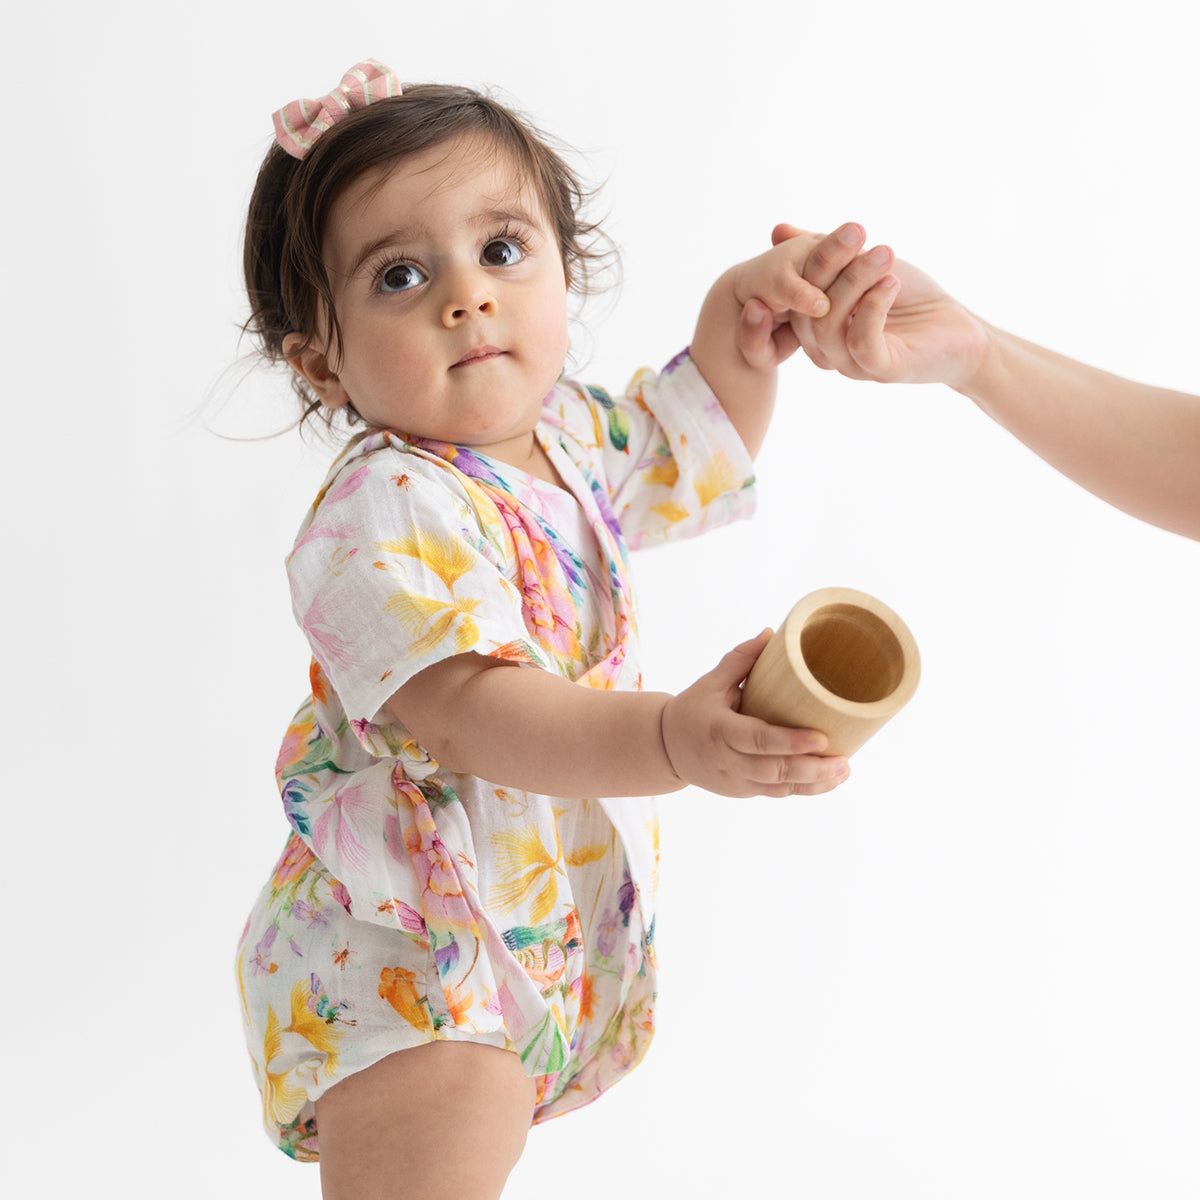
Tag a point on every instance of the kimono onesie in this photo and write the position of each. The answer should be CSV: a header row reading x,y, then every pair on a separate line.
x,y
412,903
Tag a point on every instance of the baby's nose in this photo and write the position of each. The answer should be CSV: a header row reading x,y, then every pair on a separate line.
x,y
468,297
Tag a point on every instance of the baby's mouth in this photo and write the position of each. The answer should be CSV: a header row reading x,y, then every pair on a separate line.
x,y
478,355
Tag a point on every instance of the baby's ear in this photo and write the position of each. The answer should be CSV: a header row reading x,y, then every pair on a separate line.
x,y
312,365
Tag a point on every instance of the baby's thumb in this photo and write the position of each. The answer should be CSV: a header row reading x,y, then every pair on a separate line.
x,y
733,668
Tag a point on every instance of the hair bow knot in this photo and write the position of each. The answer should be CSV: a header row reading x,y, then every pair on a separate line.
x,y
300,123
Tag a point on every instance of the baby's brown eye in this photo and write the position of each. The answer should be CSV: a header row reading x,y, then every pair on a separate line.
x,y
501,252
399,277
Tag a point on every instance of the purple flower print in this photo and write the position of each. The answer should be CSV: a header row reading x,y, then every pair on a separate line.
x,y
261,963
312,916
606,935
446,958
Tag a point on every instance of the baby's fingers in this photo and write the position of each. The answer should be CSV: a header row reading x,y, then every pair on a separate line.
x,y
753,336
783,762
833,253
800,775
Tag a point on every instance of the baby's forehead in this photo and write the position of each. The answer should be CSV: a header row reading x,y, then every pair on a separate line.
x,y
473,163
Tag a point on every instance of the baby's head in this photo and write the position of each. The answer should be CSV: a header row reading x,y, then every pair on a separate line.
x,y
301,285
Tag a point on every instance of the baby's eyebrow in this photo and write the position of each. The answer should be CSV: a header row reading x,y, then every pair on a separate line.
x,y
502,216
394,237
513,214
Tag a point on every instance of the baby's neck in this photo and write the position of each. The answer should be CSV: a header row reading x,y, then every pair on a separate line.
x,y
531,459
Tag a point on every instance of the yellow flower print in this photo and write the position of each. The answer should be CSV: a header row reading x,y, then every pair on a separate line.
x,y
524,862
652,829
430,620
314,1029
718,476
448,558
664,473
670,511
283,1093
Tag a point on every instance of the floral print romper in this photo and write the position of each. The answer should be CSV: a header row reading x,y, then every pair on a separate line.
x,y
411,903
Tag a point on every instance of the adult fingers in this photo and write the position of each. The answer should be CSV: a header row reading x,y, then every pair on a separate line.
x,y
846,292
825,340
832,254
865,339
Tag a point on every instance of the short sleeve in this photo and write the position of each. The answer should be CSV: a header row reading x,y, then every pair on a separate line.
x,y
402,563
673,463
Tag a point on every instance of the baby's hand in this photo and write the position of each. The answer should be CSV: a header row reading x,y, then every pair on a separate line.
x,y
713,746
887,321
771,291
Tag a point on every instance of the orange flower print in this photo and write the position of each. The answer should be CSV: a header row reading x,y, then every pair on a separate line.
x,y
295,860
296,741
316,678
399,988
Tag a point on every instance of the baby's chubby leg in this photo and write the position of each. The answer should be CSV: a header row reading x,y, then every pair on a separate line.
x,y
448,1119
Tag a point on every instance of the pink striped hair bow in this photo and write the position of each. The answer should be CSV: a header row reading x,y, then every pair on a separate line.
x,y
299,124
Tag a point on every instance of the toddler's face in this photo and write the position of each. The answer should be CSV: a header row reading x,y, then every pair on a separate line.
x,y
449,287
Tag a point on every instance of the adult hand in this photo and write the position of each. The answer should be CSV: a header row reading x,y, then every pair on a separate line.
x,y
888,321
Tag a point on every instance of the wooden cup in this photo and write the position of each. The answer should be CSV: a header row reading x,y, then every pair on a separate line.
x,y
842,662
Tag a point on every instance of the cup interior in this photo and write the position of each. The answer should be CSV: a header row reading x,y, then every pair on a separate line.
x,y
852,653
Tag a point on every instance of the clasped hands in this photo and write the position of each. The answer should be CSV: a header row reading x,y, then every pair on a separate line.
x,y
861,312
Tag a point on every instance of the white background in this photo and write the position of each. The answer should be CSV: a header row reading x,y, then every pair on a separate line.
x,y
973,971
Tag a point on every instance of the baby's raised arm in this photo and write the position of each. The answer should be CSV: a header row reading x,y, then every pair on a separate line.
x,y
527,728
744,331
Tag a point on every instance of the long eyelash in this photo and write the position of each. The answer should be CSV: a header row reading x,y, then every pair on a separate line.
x,y
377,268
508,233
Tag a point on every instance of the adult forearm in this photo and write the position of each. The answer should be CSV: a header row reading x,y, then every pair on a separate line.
x,y
1134,445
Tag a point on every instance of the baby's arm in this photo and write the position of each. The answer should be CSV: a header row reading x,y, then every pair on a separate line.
x,y
1133,445
527,728
744,331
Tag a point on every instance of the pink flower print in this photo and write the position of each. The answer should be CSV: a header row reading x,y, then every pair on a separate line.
x,y
323,626
634,962
347,815
393,837
341,894
361,726
504,1004
546,602
411,921
606,673
332,528
441,890
622,1057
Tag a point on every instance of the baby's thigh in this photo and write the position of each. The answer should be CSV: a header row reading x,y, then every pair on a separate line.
x,y
448,1119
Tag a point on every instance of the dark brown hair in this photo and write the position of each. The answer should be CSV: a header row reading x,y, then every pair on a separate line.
x,y
286,281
